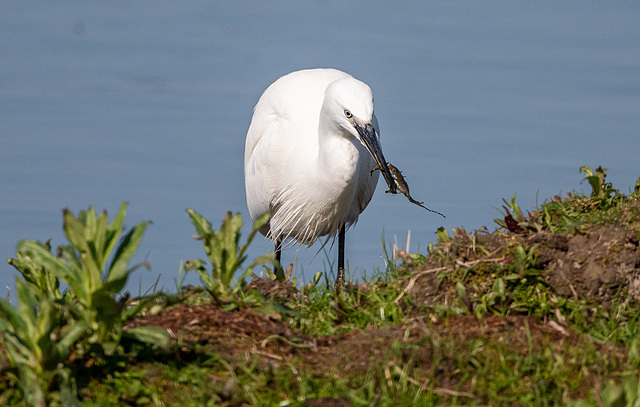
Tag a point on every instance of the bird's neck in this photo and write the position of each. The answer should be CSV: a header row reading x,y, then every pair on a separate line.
x,y
337,158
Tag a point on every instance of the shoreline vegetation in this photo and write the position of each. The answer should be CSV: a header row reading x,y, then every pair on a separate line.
x,y
541,311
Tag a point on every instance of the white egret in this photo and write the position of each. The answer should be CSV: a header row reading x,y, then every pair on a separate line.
x,y
310,152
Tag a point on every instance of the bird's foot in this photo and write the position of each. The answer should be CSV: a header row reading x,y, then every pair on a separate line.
x,y
339,280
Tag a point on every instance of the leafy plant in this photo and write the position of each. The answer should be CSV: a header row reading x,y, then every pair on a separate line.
x,y
625,394
443,235
36,342
514,219
574,213
92,240
225,254
600,189
38,278
636,189
48,324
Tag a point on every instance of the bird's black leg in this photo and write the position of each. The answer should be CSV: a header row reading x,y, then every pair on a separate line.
x,y
278,250
340,279
278,269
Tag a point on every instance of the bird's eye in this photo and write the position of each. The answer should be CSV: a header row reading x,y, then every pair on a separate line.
x,y
348,114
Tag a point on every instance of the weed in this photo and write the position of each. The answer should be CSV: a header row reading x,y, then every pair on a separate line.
x,y
36,343
48,325
600,190
225,254
625,394
577,212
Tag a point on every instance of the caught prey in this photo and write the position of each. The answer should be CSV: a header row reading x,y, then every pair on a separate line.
x,y
402,187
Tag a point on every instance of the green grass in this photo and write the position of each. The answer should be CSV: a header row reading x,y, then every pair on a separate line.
x,y
476,320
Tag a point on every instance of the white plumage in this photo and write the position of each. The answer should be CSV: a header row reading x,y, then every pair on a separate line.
x,y
310,152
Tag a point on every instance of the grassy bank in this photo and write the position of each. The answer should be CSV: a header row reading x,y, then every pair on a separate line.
x,y
542,311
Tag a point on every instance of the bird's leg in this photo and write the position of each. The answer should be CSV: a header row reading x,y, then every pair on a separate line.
x,y
278,269
278,250
340,279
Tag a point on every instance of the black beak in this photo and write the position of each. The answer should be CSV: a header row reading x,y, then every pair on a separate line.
x,y
369,138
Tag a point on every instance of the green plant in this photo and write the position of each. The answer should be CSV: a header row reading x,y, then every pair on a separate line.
x,y
443,235
625,394
636,189
225,254
514,219
600,190
94,280
38,278
37,342
574,213
95,267
47,325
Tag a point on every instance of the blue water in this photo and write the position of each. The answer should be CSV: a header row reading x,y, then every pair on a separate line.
x,y
149,102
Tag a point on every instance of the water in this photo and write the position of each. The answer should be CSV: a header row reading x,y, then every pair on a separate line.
x,y
148,102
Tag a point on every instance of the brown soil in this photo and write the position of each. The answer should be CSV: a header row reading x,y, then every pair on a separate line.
x,y
234,333
595,264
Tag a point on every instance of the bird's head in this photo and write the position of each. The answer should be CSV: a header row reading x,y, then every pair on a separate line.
x,y
349,102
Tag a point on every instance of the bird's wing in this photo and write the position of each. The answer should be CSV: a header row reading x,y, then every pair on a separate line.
x,y
280,116
258,162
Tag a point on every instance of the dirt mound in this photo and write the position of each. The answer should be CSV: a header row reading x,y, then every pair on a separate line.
x,y
593,265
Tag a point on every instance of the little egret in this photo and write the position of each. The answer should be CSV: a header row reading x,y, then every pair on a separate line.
x,y
310,155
